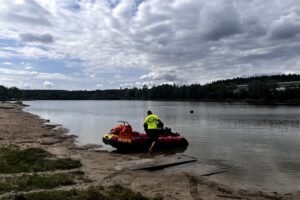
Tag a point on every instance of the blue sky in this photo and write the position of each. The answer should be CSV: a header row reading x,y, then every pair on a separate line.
x,y
103,44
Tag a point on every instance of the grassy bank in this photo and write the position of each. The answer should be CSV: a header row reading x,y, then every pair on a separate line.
x,y
18,182
36,181
15,160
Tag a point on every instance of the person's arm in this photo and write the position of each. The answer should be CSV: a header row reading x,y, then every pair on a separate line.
x,y
145,126
161,124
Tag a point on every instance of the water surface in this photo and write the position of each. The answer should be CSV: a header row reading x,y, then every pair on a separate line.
x,y
259,144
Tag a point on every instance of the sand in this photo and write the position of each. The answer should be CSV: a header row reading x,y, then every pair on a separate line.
x,y
27,130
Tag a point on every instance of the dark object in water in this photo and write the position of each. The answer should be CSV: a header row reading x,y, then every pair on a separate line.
x,y
191,111
124,139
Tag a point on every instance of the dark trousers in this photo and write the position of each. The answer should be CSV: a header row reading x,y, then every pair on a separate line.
x,y
153,134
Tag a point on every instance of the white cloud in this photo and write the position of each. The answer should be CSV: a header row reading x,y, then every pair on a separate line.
x,y
24,12
140,84
6,54
8,71
35,52
3,79
27,66
127,85
26,86
7,63
34,73
48,84
37,75
161,76
54,76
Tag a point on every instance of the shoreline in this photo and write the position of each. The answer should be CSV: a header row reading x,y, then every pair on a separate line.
x,y
28,130
241,102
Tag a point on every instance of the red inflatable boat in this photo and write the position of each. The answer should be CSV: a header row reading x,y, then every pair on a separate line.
x,y
122,137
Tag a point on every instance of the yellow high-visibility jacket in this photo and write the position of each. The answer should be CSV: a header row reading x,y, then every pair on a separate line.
x,y
151,121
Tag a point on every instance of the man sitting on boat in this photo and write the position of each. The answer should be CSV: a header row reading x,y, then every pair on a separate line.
x,y
153,127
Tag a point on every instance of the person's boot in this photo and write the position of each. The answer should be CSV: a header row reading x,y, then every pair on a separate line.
x,y
151,148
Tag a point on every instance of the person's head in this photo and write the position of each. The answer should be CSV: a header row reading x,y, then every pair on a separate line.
x,y
149,112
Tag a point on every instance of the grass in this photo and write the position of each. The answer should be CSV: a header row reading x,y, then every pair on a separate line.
x,y
31,182
111,193
15,160
6,107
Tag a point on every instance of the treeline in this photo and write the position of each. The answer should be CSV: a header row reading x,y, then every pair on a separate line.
x,y
12,93
258,89
264,79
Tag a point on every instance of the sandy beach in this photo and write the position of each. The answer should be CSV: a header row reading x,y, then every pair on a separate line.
x,y
26,130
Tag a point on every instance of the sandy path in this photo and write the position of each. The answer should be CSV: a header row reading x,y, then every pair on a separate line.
x,y
27,130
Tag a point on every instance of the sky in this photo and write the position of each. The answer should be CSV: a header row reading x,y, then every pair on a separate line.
x,y
108,44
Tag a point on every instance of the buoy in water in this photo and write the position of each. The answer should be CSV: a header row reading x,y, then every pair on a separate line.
x,y
191,111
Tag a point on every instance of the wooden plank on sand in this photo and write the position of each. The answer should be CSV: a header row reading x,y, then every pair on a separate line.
x,y
157,163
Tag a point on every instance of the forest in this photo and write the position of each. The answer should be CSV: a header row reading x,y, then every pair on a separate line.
x,y
258,89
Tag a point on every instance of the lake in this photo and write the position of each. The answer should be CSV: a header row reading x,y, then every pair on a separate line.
x,y
259,144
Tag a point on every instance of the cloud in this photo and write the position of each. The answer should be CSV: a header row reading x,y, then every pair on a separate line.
x,y
12,71
287,26
180,41
30,37
6,54
26,86
7,63
34,73
27,12
55,76
48,84
37,75
219,20
160,76
149,84
127,85
38,52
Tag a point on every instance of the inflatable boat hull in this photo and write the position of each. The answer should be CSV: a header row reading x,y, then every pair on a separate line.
x,y
141,142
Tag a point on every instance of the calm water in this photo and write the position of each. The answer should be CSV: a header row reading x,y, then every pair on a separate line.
x,y
259,144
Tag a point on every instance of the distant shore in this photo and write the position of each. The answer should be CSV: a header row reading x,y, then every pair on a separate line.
x,y
295,102
26,130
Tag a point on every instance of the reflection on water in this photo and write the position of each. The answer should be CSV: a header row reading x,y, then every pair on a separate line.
x,y
259,144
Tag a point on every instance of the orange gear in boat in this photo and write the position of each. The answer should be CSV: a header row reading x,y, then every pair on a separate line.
x,y
121,130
